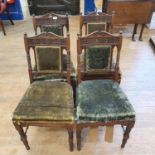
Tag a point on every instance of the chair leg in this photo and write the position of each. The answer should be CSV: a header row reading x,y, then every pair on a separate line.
x,y
9,17
126,134
3,29
134,32
78,139
141,32
70,139
22,135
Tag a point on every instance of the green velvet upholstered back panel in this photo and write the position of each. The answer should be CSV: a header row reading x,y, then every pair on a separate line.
x,y
54,29
91,27
48,59
97,58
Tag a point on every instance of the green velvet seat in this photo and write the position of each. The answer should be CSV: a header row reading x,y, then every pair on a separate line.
x,y
102,100
46,100
91,27
54,29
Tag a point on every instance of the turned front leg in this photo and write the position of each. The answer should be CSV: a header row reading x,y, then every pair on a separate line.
x,y
141,32
126,134
22,135
70,139
134,32
78,139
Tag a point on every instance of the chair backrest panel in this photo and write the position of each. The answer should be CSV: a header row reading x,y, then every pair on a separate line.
x,y
97,49
51,22
48,49
97,58
95,22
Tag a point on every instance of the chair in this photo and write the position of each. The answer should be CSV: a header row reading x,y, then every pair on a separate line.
x,y
93,22
99,61
46,103
4,8
55,23
51,22
96,22
101,102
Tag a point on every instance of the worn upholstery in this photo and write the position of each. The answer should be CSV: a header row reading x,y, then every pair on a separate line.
x,y
91,27
56,75
54,29
102,100
97,58
46,100
48,58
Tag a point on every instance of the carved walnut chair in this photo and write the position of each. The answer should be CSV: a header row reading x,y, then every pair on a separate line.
x,y
55,23
4,8
101,102
46,103
96,22
51,22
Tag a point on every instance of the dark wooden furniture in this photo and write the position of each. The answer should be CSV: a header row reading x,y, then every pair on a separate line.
x,y
152,41
40,7
51,20
47,103
2,26
96,22
130,12
58,24
97,102
4,8
92,18
96,40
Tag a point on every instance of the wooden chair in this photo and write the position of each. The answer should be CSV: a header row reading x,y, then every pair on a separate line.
x,y
4,8
98,62
51,22
55,23
100,22
96,22
46,103
101,102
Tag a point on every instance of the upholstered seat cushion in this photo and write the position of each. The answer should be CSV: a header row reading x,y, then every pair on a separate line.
x,y
91,27
54,29
102,100
46,100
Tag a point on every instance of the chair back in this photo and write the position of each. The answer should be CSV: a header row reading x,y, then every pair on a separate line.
x,y
47,50
51,22
97,51
96,22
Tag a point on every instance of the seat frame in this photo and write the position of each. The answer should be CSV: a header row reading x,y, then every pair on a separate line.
x,y
40,40
92,17
49,20
100,38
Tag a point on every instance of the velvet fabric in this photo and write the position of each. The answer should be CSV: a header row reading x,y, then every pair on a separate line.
x,y
48,58
91,27
102,100
97,58
54,29
46,100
